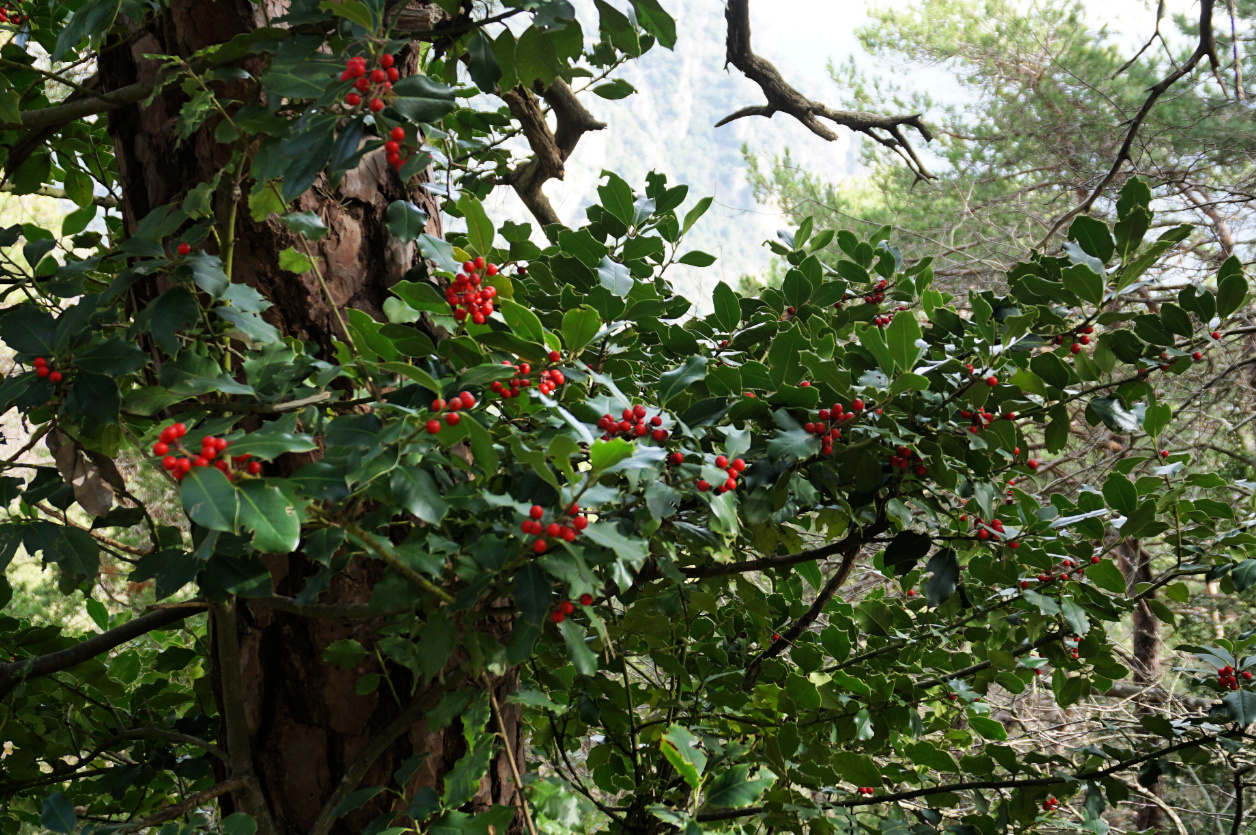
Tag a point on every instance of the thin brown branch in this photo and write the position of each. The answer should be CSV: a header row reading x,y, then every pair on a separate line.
x,y
1207,48
169,813
784,98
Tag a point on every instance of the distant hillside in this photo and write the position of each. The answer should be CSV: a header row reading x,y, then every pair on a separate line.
x,y
668,126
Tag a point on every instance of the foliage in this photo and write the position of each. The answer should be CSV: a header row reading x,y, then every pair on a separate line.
x,y
725,672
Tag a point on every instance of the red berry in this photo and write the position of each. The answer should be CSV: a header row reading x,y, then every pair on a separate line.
x,y
393,75
557,617
39,362
200,461
385,60
254,467
397,134
468,401
1197,356
776,636
659,435
676,458
1216,334
992,381
983,534
566,607
539,546
169,462
378,76
721,461
161,448
857,405
376,105
739,464
1073,349
54,377
353,99
731,484
586,599
184,248
805,383
703,485
1024,584
452,418
1032,464
433,426
580,523
553,529
42,371
1164,453
362,85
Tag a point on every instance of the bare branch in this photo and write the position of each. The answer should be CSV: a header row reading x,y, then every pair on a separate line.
x,y
783,98
169,813
1207,48
550,148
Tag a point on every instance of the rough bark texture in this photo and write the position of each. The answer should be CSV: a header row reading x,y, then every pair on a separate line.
x,y
305,722
1135,562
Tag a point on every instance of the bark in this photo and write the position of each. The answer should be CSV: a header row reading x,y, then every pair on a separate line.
x,y
305,724
1135,563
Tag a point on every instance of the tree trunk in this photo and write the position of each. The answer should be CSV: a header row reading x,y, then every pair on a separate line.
x,y
306,724
1135,562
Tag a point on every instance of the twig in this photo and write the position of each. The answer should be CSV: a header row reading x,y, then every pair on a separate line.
x,y
1207,47
510,754
784,98
169,813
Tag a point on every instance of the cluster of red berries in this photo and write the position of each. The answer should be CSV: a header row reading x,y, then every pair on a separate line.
x,y
549,379
867,790
1071,645
903,458
981,418
452,408
378,82
566,527
826,423
1050,804
732,468
562,610
877,295
211,448
634,424
985,531
1064,569
43,369
1227,677
10,14
467,295
393,147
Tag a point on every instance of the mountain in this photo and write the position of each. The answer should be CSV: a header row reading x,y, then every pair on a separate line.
x,y
668,126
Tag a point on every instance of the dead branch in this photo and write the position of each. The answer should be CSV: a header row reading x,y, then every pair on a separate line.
x,y
550,149
783,98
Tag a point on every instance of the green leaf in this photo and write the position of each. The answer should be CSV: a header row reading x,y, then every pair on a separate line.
x,y
943,568
344,653
615,277
988,728
405,221
901,337
695,258
274,522
416,491
1106,576
692,216
98,613
1085,282
929,755
727,307
1241,707
210,500
856,768
605,454
308,225
57,814
617,198
479,227
521,320
1113,414
1075,616
239,824
1244,575
1156,418
1231,287
582,658
1120,493
484,69
1094,237
580,325
295,262
681,750
732,788
656,21
905,550
676,381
